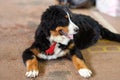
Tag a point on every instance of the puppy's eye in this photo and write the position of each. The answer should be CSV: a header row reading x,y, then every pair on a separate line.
x,y
60,32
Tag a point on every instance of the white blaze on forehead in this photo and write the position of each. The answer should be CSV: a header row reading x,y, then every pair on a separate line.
x,y
71,26
68,16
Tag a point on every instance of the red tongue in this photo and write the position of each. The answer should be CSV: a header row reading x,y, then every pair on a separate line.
x,y
50,51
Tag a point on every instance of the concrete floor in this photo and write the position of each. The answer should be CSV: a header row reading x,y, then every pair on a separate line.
x,y
18,22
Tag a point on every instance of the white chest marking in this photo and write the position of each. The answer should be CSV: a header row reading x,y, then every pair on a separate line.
x,y
57,53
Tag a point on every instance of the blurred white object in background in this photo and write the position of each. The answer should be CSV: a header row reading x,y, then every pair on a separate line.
x,y
110,7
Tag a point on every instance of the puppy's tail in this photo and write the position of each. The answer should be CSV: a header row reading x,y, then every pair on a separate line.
x,y
106,34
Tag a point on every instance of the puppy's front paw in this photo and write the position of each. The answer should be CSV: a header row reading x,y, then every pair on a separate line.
x,y
32,73
86,73
32,68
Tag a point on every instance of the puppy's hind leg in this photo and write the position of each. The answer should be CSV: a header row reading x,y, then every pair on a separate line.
x,y
31,63
80,65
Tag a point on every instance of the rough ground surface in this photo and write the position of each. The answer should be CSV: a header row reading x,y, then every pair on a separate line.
x,y
18,22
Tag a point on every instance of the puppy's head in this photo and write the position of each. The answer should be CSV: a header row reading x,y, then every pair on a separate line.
x,y
57,24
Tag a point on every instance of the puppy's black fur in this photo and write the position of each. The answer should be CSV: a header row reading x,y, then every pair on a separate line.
x,y
88,34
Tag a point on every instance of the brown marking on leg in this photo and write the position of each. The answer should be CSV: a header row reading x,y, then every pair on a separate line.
x,y
32,64
35,51
81,67
32,67
78,63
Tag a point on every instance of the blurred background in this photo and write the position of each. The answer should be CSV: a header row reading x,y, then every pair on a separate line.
x,y
19,20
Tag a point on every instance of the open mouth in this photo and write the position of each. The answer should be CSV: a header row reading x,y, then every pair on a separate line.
x,y
65,34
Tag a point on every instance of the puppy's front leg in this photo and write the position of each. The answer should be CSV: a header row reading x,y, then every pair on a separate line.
x,y
80,65
32,68
31,63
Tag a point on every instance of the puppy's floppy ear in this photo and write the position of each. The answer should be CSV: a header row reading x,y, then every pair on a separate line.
x,y
45,26
41,40
48,20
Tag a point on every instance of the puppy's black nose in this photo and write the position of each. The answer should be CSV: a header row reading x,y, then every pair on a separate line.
x,y
76,29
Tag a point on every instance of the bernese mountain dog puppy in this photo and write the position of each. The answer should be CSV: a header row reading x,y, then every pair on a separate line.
x,y
62,33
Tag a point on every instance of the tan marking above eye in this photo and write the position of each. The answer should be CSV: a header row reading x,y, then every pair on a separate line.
x,y
66,16
54,33
59,28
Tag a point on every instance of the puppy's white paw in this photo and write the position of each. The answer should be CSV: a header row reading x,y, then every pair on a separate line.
x,y
32,74
86,73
